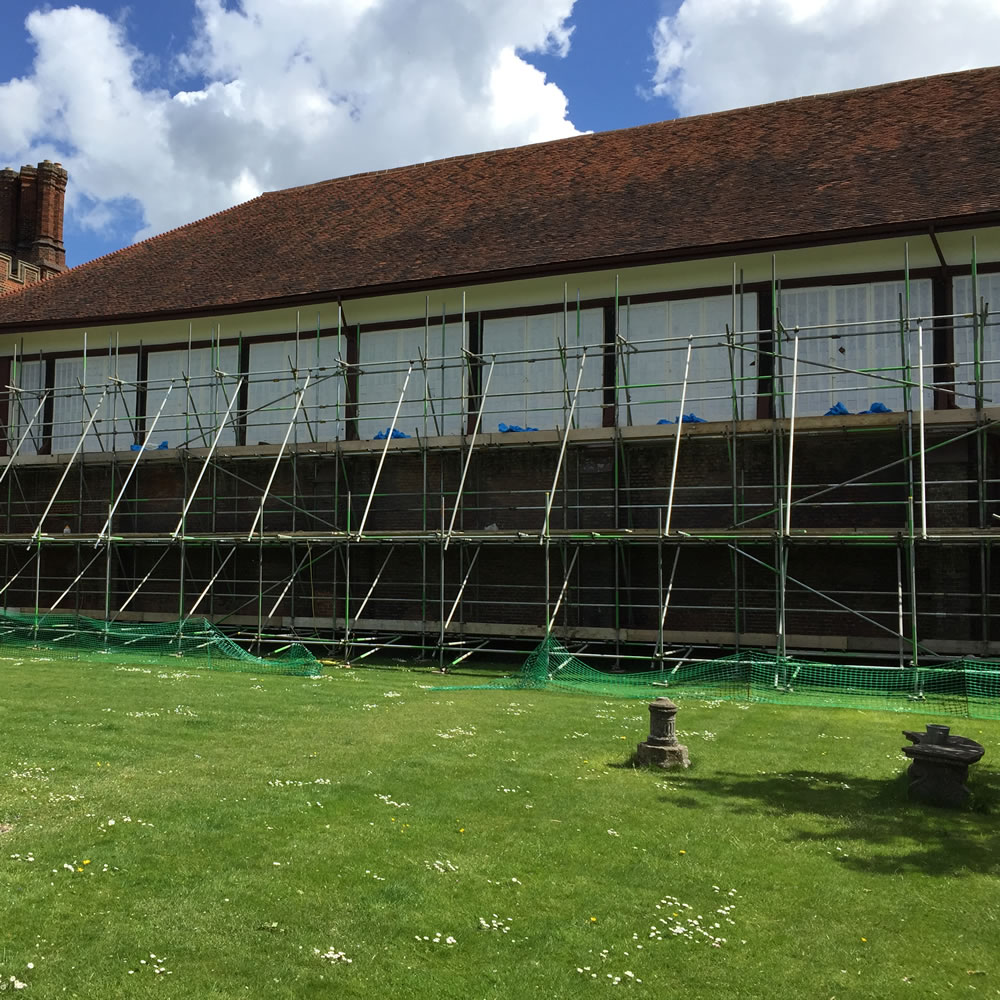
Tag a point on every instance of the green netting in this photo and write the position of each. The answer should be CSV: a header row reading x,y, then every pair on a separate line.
x,y
968,688
195,640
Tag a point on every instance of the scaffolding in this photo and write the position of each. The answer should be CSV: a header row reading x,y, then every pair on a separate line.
x,y
652,490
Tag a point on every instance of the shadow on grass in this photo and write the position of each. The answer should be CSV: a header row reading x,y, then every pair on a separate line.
x,y
898,835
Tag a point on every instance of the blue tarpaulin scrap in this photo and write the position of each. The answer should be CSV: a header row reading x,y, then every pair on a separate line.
x,y
838,409
688,418
382,435
514,428
162,446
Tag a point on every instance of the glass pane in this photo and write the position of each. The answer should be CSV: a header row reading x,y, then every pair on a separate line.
x,y
653,363
84,391
988,292
538,360
849,345
272,398
29,377
197,400
434,402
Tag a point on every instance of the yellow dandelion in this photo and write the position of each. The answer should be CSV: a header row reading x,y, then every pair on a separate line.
x,y
683,852
87,862
864,939
593,920
461,829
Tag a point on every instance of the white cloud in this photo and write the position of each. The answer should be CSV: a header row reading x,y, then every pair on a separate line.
x,y
287,93
718,54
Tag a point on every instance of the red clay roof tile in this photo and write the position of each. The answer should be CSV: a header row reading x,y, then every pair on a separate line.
x,y
904,153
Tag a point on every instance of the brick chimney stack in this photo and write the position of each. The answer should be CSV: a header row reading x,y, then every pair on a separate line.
x,y
8,211
31,224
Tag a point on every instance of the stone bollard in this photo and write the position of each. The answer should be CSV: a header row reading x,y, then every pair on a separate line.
x,y
661,748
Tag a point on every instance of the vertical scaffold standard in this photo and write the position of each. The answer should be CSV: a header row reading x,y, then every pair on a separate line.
x,y
965,688
196,641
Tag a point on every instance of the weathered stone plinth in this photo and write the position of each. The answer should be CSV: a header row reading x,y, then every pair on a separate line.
x,y
661,748
940,766
666,757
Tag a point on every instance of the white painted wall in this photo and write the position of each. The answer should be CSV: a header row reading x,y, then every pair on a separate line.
x,y
838,259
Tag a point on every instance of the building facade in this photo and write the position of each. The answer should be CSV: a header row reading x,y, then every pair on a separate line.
x,y
718,382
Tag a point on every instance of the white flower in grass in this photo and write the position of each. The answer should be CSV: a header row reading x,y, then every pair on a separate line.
x,y
333,956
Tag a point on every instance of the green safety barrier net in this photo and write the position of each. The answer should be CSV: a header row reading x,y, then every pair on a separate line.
x,y
196,641
967,688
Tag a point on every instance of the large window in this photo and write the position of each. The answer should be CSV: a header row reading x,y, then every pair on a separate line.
x,y
103,388
199,396
434,402
538,361
850,349
654,355
29,379
272,393
988,291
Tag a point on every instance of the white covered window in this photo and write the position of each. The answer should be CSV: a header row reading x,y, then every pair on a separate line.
x,y
199,398
277,370
83,390
434,402
29,378
988,292
654,356
850,349
538,361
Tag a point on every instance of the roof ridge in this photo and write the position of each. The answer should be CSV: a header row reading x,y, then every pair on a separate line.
x,y
742,110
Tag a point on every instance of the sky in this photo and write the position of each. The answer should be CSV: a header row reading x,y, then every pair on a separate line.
x,y
164,113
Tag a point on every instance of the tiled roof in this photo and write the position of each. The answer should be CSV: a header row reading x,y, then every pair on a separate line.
x,y
851,163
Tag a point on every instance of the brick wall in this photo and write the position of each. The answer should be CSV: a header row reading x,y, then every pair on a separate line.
x,y
31,224
720,586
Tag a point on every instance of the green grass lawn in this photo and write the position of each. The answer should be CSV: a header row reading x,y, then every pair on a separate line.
x,y
173,832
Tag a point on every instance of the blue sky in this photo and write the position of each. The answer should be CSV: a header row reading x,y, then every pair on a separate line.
x,y
166,112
